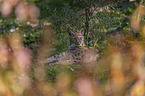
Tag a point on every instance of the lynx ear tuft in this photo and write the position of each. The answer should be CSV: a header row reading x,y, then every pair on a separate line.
x,y
82,31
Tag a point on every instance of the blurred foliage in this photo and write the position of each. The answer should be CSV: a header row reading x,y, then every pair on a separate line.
x,y
113,27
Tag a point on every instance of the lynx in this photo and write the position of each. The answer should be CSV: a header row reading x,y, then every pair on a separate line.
x,y
77,51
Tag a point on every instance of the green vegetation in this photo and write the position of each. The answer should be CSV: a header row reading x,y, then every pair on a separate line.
x,y
114,27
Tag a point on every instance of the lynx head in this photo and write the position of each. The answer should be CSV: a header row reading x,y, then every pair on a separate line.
x,y
77,38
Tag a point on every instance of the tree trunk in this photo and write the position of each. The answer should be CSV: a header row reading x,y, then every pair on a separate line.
x,y
87,13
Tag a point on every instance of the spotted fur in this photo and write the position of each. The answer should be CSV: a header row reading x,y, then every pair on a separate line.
x,y
76,53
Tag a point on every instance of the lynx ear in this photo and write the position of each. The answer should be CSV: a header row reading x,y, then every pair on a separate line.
x,y
82,31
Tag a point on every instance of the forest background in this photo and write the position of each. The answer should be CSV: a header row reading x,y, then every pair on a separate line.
x,y
114,27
